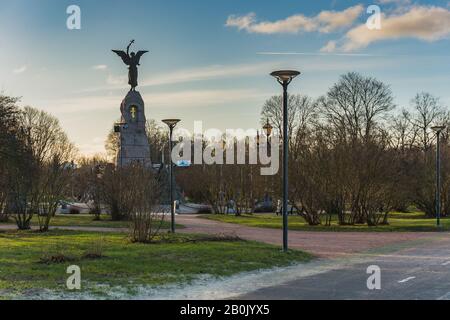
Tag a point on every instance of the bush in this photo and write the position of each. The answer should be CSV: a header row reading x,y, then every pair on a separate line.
x,y
56,255
141,197
95,251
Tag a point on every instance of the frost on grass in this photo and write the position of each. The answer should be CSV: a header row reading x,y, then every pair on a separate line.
x,y
200,288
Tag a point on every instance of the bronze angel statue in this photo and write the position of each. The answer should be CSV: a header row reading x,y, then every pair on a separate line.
x,y
132,61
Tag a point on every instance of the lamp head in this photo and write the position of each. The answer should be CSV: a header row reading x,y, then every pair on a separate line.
x,y
268,128
119,125
285,76
171,123
438,129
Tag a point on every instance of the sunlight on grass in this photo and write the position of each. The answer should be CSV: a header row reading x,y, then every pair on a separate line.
x,y
401,222
88,221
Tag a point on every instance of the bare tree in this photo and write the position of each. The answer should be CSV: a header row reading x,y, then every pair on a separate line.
x,y
158,138
53,153
404,133
112,144
342,161
86,183
427,110
144,198
355,104
273,111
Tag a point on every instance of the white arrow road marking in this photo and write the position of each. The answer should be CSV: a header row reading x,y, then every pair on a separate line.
x,y
446,263
406,280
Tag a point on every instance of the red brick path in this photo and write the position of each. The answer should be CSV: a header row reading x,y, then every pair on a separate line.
x,y
324,244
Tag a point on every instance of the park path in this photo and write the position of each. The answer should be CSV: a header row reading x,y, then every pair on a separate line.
x,y
322,244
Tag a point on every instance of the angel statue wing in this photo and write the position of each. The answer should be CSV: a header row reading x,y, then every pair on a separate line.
x,y
125,58
139,54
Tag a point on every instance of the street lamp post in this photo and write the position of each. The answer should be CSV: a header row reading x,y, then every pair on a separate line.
x,y
285,77
171,123
268,130
438,130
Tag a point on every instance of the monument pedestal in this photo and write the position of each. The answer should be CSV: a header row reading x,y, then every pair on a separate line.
x,y
134,146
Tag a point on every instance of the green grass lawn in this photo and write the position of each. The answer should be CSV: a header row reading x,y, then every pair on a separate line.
x,y
414,221
177,258
88,221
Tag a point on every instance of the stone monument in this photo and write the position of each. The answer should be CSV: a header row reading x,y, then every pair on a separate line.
x,y
133,142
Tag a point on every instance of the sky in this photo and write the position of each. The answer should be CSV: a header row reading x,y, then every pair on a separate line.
x,y
210,60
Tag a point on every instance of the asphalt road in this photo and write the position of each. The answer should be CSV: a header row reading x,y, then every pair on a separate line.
x,y
419,270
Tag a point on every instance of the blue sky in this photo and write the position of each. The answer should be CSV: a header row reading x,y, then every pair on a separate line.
x,y
205,60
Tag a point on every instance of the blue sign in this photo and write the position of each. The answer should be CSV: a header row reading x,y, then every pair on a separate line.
x,y
184,163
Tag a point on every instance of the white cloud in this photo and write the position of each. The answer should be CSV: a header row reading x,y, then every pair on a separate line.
x,y
189,75
419,22
330,47
293,24
241,22
21,69
202,98
332,20
117,80
325,22
206,73
100,67
397,2
314,54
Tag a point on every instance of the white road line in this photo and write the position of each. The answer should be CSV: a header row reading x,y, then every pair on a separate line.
x,y
445,297
406,280
446,263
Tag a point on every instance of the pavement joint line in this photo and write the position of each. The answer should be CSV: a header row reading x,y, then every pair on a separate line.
x,y
407,279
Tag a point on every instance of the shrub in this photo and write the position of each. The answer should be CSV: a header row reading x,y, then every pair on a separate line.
x,y
96,249
56,255
141,195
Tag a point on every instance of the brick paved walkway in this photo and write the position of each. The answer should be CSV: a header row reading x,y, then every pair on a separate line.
x,y
324,244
